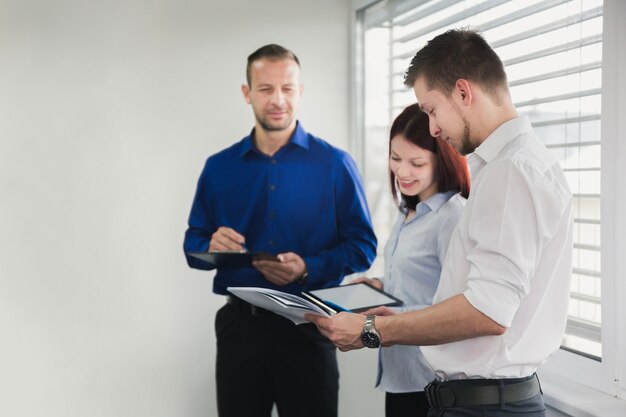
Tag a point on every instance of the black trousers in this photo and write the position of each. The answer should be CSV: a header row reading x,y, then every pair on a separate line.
x,y
406,404
266,359
533,407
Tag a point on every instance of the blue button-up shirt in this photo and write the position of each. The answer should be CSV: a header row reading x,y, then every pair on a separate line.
x,y
307,198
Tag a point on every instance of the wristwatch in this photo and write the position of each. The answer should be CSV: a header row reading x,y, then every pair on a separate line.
x,y
302,278
370,336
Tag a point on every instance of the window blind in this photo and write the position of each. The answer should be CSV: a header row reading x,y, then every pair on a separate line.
x,y
552,51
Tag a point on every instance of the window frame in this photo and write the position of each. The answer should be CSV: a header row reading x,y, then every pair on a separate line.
x,y
573,383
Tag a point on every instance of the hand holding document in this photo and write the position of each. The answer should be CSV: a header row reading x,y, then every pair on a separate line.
x,y
322,302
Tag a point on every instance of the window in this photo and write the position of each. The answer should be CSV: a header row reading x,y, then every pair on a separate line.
x,y
553,54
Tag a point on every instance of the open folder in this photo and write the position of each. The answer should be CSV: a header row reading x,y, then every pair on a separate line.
x,y
287,305
323,302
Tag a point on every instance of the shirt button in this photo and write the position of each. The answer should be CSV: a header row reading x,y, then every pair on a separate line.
x,y
272,215
274,161
272,187
271,242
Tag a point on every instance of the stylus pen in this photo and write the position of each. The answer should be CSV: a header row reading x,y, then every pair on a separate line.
x,y
336,306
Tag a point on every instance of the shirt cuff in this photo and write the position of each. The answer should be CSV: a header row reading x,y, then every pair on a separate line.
x,y
495,301
315,268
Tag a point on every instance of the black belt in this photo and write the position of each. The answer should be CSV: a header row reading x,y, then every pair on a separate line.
x,y
246,307
470,392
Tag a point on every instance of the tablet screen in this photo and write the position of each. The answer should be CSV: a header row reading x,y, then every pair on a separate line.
x,y
356,297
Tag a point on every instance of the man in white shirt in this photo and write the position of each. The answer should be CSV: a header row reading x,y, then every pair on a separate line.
x,y
501,306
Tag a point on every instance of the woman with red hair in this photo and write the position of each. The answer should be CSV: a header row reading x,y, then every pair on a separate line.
x,y
430,184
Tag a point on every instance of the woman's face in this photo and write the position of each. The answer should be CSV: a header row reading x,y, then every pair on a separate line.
x,y
413,167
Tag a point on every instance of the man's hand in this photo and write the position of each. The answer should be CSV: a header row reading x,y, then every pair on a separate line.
x,y
343,329
226,238
379,311
290,267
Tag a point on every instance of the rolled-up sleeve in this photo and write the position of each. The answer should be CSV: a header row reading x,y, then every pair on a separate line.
x,y
502,263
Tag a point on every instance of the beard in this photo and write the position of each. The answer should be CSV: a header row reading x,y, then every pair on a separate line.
x,y
466,145
270,126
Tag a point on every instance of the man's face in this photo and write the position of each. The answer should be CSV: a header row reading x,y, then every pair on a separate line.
x,y
274,93
444,117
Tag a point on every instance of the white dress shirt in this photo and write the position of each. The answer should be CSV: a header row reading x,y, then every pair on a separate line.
x,y
414,254
511,256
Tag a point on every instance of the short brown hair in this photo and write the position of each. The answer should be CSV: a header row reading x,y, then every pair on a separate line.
x,y
457,54
451,171
271,51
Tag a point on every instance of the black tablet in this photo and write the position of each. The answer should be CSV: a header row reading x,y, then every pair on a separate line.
x,y
232,259
354,297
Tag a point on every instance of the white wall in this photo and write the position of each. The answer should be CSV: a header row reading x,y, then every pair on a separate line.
x,y
107,112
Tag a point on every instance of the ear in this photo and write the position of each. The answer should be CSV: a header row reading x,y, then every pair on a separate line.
x,y
464,90
301,90
245,89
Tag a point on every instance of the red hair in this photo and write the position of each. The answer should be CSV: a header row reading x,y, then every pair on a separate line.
x,y
451,172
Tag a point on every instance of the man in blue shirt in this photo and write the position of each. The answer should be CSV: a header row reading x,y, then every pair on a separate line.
x,y
284,191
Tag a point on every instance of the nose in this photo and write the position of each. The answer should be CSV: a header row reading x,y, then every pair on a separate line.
x,y
278,98
435,131
403,171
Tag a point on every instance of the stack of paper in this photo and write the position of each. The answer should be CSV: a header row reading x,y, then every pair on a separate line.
x,y
287,305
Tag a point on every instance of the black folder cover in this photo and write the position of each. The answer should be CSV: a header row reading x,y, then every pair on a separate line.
x,y
232,259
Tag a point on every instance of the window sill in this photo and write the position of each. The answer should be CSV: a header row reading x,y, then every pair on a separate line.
x,y
578,400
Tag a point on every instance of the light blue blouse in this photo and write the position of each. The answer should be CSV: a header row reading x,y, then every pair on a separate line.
x,y
414,254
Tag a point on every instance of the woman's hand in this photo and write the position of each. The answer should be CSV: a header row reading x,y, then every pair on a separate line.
x,y
374,282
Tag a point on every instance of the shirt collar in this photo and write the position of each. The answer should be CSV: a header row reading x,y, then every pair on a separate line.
x,y
437,200
432,204
500,137
299,137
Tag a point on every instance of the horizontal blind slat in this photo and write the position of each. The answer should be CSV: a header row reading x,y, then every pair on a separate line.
x,y
585,329
586,272
419,14
590,40
486,5
549,27
573,144
559,73
567,120
519,14
560,97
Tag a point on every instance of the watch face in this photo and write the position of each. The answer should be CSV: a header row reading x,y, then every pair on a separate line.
x,y
371,340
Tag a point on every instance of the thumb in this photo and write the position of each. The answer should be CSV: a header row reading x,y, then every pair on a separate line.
x,y
287,257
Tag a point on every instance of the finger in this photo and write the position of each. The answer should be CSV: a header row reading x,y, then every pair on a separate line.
x,y
315,319
273,277
376,283
220,241
273,272
279,266
232,235
381,311
226,238
288,257
274,268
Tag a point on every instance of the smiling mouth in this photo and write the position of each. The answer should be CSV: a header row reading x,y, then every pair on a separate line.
x,y
407,184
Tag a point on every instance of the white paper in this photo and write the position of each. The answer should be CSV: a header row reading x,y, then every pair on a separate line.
x,y
287,305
